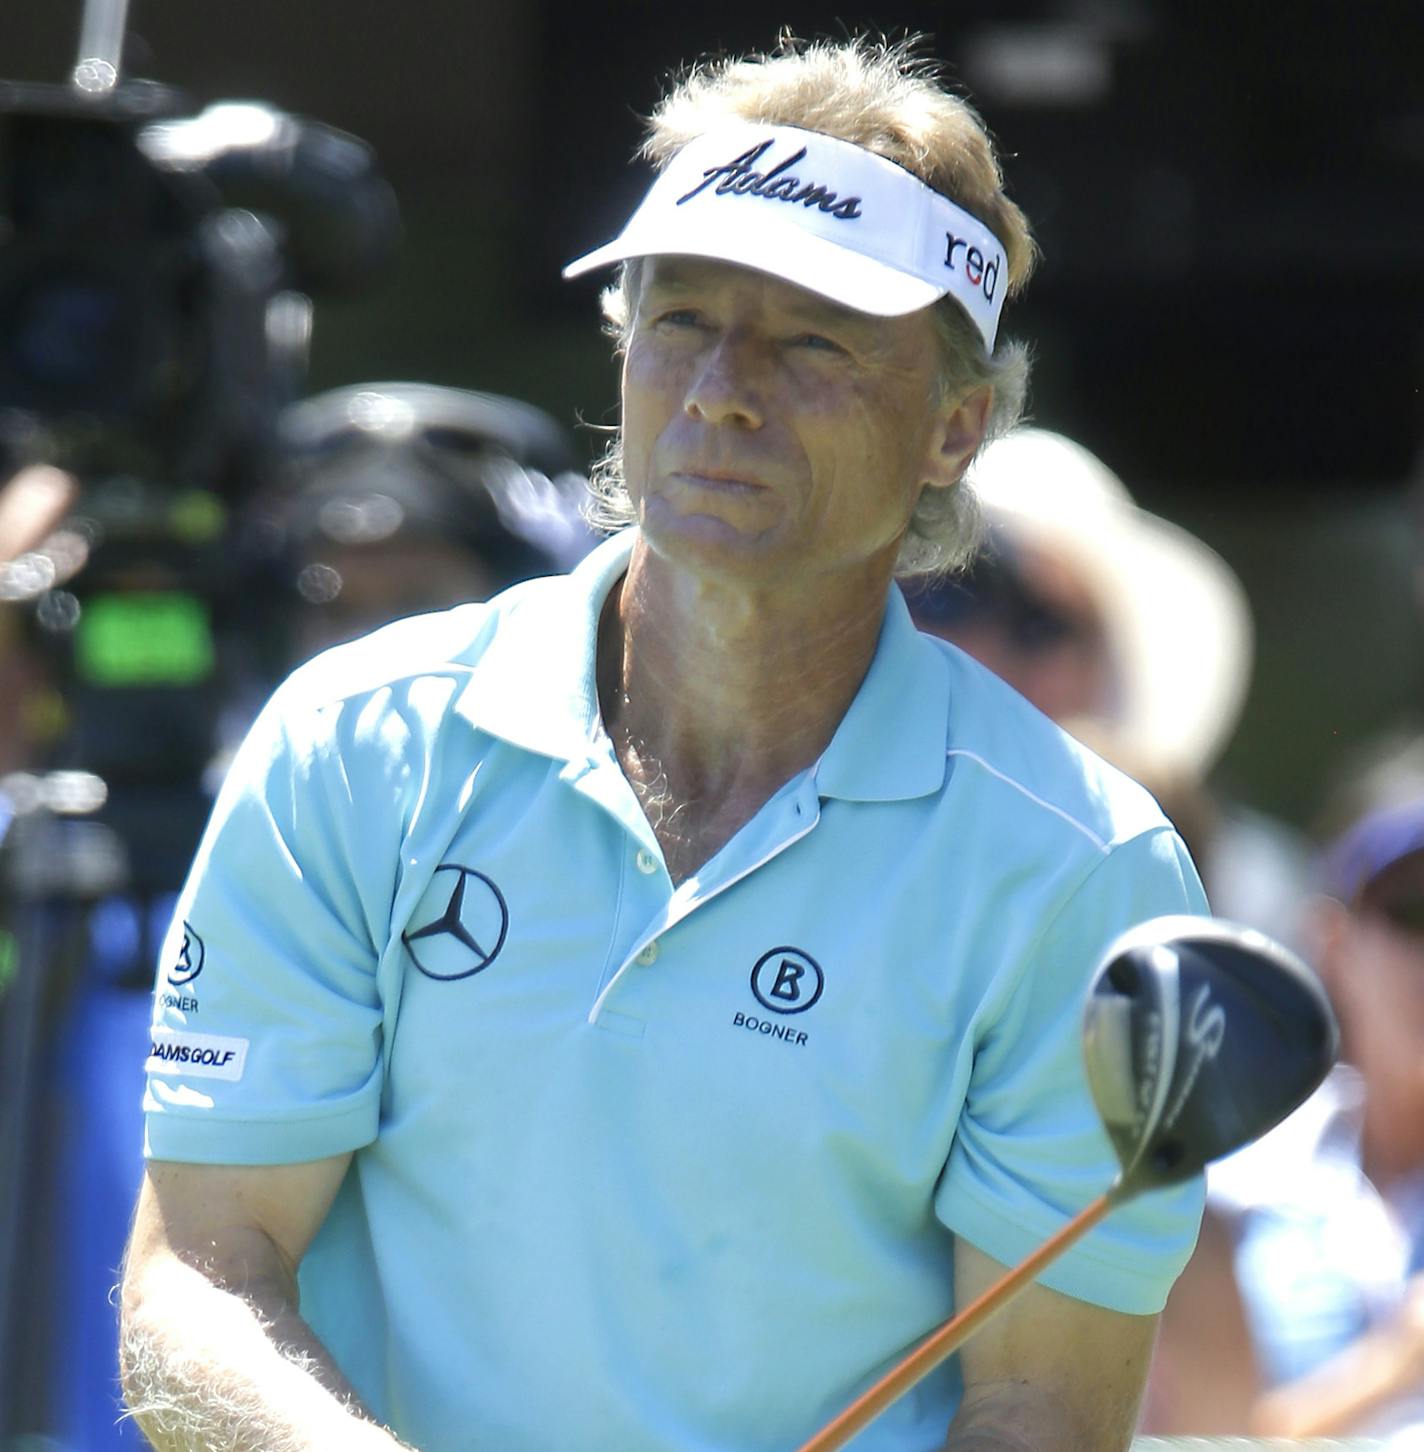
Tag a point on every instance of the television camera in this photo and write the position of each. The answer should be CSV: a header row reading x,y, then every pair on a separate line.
x,y
157,270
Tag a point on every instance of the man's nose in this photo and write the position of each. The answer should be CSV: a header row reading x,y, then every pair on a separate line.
x,y
726,387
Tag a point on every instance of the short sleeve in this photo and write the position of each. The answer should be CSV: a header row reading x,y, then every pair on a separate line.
x,y
1030,1151
266,1037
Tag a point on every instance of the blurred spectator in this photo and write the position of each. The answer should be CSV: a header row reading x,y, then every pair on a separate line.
x,y
1414,504
408,497
1131,633
392,499
1302,1314
33,500
32,503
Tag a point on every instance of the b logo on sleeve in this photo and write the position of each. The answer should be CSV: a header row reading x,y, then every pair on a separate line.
x,y
196,1056
191,955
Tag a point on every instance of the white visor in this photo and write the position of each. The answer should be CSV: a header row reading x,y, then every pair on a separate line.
x,y
819,212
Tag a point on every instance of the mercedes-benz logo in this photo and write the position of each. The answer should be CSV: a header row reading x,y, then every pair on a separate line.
x,y
470,930
190,957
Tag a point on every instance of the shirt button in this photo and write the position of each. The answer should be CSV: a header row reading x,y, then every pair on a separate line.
x,y
649,955
647,863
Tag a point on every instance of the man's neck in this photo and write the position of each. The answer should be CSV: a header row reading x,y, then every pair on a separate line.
x,y
715,693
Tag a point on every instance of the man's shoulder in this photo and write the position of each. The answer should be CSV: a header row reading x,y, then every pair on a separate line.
x,y
999,738
394,695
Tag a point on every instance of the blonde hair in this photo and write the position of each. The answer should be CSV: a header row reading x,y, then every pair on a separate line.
x,y
884,97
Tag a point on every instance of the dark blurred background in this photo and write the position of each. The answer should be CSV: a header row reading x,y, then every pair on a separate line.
x,y
1230,201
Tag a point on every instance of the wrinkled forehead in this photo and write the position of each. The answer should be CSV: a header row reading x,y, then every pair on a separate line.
x,y
673,276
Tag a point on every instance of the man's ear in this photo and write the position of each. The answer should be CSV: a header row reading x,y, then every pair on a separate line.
x,y
958,432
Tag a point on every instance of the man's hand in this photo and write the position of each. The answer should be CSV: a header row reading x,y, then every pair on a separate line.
x,y
32,503
214,1352
1355,1385
1047,1371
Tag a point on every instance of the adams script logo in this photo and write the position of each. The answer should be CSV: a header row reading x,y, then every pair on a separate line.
x,y
740,178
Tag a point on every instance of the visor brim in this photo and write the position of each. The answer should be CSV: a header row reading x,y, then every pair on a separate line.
x,y
779,249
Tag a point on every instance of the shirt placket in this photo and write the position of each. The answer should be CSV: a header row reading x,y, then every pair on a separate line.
x,y
789,816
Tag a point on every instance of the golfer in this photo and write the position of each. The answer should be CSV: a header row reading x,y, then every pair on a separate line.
x,y
627,1015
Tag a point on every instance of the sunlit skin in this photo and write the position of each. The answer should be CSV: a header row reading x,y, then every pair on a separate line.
x,y
775,446
1374,970
768,433
32,504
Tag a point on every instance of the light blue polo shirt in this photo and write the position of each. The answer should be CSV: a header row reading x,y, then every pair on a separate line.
x,y
645,1169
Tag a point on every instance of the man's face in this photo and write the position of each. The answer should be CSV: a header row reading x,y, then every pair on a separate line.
x,y
1373,965
352,589
1038,627
771,433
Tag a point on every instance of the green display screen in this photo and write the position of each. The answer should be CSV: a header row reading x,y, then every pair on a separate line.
x,y
9,959
144,639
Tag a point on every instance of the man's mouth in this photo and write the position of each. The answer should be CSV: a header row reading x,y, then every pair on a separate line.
x,y
721,480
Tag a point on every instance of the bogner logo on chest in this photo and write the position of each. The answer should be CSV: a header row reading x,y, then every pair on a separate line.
x,y
460,925
784,981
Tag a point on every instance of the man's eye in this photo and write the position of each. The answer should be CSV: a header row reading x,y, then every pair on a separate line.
x,y
818,342
677,318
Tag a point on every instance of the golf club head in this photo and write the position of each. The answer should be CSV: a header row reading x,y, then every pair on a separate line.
x,y
1199,1035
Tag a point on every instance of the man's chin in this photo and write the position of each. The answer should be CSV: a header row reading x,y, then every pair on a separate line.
x,y
729,541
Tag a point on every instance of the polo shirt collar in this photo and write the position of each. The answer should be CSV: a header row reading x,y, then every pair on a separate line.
x,y
891,743
536,686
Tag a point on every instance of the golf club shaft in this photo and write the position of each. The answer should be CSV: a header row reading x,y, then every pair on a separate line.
x,y
953,1334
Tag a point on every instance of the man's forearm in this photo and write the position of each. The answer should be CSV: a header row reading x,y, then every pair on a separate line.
x,y
987,1439
204,1367
1019,1417
985,1429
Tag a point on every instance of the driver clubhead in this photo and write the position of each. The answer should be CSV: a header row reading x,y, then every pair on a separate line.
x,y
1199,1035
